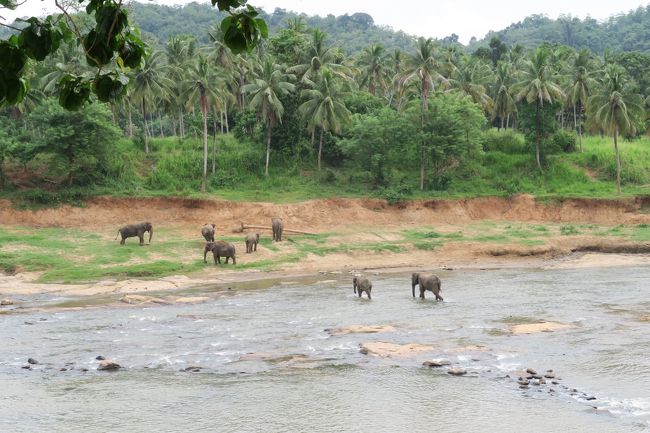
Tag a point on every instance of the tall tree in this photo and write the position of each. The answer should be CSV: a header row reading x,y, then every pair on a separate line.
x,y
539,84
372,62
579,87
422,66
471,78
269,83
614,107
324,108
504,98
319,57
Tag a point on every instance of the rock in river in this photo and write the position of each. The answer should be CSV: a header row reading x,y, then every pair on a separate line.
x,y
32,361
7,302
361,329
378,348
437,363
108,364
457,371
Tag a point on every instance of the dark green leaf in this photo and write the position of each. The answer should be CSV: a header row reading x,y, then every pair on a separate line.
x,y
74,92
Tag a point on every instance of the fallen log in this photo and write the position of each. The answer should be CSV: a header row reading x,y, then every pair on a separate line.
x,y
241,227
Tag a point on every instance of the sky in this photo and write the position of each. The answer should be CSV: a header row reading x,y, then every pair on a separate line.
x,y
429,18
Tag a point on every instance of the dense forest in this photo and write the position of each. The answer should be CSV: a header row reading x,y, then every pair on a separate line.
x,y
300,113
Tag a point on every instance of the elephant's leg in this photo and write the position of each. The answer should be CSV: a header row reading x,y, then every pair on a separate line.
x,y
421,293
123,240
256,246
439,298
141,236
234,262
368,292
360,292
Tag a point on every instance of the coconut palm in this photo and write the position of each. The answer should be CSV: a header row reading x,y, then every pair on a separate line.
x,y
269,84
320,57
423,66
202,88
539,84
579,87
614,106
471,78
324,108
149,83
504,98
373,65
181,52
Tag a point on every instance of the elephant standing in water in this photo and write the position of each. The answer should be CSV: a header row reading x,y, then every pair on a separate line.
x,y
208,232
428,282
133,230
252,239
362,284
277,226
220,249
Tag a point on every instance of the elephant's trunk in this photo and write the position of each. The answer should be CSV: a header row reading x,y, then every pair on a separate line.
x,y
150,234
118,234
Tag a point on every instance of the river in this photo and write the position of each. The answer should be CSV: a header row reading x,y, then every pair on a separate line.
x,y
268,365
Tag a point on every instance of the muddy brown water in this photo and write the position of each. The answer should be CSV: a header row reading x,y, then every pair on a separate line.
x,y
267,364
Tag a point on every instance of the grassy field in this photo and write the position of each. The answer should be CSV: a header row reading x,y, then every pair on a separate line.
x,y
69,256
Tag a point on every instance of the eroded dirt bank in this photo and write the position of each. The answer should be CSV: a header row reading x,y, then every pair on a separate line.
x,y
329,214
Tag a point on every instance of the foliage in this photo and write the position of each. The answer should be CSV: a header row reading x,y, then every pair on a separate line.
x,y
503,141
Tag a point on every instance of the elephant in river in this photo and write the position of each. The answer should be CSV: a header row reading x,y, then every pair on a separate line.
x,y
277,225
208,232
220,249
428,282
252,239
132,230
362,284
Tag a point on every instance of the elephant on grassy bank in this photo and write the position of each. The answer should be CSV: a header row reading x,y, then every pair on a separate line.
x,y
428,282
252,239
220,249
277,226
132,230
208,232
362,284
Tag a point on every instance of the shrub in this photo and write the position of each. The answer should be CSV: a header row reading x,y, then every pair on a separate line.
x,y
503,141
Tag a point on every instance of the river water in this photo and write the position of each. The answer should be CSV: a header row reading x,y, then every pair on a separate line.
x,y
268,365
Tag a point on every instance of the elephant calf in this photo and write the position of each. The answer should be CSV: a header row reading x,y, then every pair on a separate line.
x,y
362,284
252,239
277,226
132,230
428,282
220,249
208,232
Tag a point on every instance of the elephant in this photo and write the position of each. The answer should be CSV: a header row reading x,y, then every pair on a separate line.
x,y
362,284
277,225
208,232
220,249
132,230
428,282
252,240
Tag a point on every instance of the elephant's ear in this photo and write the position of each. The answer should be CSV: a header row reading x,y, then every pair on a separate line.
x,y
415,277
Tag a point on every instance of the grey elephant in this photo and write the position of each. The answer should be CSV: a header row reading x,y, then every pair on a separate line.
x,y
208,232
220,249
428,282
132,230
252,239
362,284
277,225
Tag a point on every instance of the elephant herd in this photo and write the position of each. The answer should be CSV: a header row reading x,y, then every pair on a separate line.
x,y
226,250
426,282
219,248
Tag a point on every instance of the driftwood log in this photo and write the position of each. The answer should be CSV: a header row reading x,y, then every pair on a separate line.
x,y
241,227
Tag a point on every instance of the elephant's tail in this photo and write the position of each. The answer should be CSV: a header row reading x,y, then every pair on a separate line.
x,y
118,233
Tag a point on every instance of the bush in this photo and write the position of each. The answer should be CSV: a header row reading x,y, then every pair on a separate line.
x,y
562,141
503,141
396,194
40,197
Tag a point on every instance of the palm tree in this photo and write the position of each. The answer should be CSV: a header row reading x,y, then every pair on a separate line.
x,y
422,66
538,85
324,108
319,58
579,87
471,78
614,107
504,100
269,83
148,83
373,68
181,52
202,88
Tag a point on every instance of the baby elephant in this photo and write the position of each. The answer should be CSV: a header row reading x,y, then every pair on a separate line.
x,y
252,240
277,226
132,230
208,232
362,284
428,282
220,249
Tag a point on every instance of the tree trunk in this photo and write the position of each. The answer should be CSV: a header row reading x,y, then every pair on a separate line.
x,y
508,121
268,149
501,123
320,147
214,143
575,118
130,123
618,163
538,133
181,123
146,131
221,120
160,119
204,109
225,116
422,145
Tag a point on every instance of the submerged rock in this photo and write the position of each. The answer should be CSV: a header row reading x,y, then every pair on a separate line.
x,y
191,299
437,363
108,364
6,301
32,361
378,348
142,299
534,328
100,358
457,371
361,329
